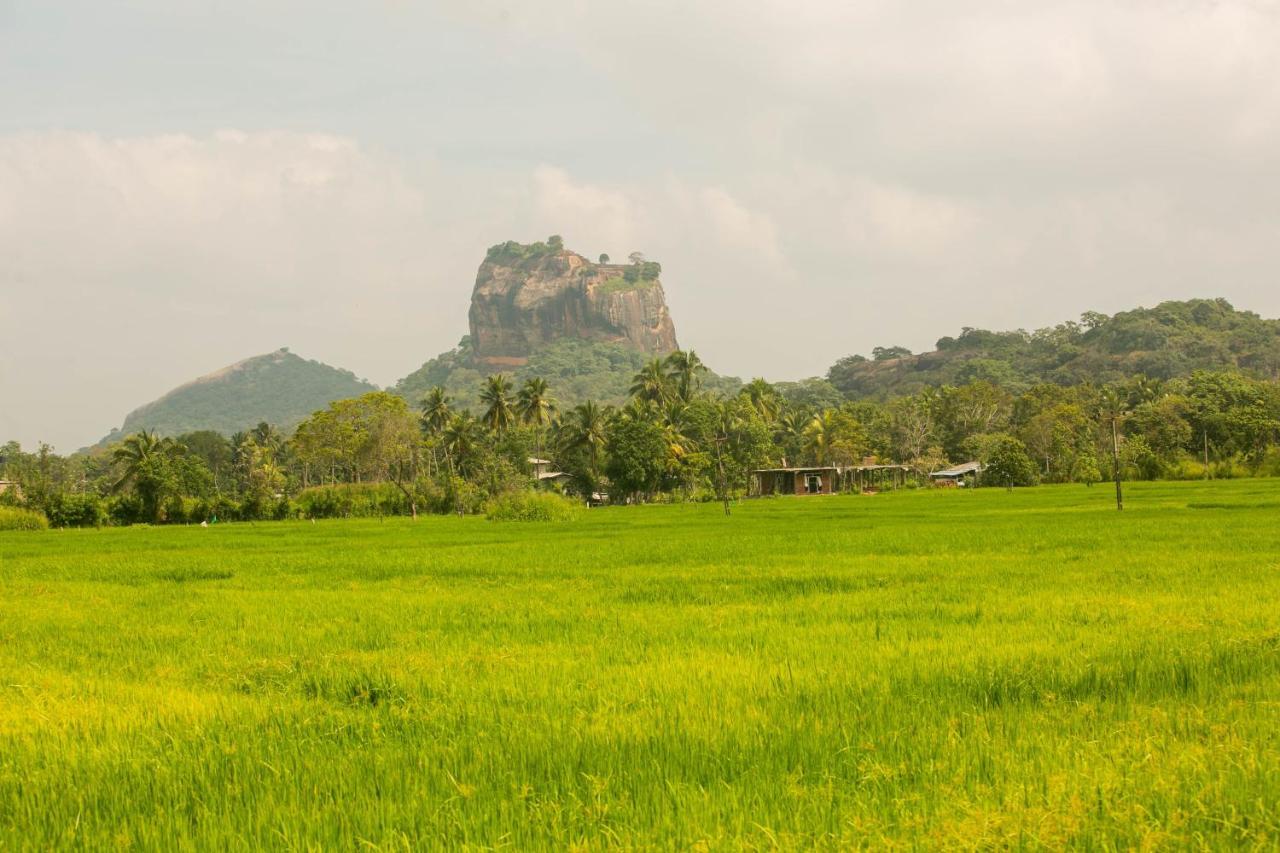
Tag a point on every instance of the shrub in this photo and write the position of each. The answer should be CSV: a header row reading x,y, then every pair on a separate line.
x,y
70,510
531,506
125,510
1269,464
177,510
1008,463
1087,471
12,518
351,500
458,496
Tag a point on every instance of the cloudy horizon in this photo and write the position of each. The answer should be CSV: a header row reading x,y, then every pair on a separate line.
x,y
186,185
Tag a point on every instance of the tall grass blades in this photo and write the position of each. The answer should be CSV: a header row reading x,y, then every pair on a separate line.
x,y
987,669
15,518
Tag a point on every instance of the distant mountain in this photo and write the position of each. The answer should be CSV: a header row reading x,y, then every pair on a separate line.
x,y
1173,339
279,388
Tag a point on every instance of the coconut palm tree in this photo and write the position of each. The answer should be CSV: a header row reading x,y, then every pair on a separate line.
x,y
535,407
498,415
763,398
460,437
145,459
268,437
819,434
584,429
436,408
685,369
790,433
652,384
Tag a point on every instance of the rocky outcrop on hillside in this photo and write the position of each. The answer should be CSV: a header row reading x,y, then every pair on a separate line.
x,y
530,295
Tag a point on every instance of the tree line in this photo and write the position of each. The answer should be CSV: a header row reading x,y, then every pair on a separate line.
x,y
672,440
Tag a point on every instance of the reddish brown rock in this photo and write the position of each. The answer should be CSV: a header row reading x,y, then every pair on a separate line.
x,y
528,296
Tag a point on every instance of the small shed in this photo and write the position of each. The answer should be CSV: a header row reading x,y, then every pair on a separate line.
x,y
544,476
547,479
956,475
10,487
817,480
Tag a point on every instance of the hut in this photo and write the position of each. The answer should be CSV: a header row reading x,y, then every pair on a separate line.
x,y
816,480
956,475
544,476
11,487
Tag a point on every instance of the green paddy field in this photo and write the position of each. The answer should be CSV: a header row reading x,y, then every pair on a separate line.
x,y
1023,669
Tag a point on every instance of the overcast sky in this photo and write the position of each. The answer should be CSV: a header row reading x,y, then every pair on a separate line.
x,y
184,184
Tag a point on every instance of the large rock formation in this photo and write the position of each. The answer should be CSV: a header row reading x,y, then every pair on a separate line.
x,y
527,296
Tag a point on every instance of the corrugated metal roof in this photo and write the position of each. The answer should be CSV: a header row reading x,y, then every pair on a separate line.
x,y
958,470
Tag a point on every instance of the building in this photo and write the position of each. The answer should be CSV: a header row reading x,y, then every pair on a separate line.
x,y
870,477
965,474
828,479
10,487
818,480
545,477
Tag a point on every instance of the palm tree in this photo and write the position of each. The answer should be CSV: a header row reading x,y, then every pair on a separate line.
x,y
677,432
790,433
685,368
585,429
727,429
496,396
535,407
818,435
652,383
1112,407
145,458
461,435
436,409
267,436
763,398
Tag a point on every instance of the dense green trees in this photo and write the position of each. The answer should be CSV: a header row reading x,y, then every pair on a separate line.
x,y
149,466
1170,341
677,436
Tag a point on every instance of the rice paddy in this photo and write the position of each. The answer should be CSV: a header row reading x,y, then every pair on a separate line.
x,y
923,669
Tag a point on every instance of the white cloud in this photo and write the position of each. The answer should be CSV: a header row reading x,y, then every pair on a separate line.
x,y
870,171
131,264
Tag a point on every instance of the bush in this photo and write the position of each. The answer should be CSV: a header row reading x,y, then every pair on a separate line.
x,y
178,510
12,518
351,500
531,506
1008,463
125,510
69,510
458,496
1269,464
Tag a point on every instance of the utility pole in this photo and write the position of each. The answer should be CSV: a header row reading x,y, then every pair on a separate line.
x,y
1206,453
1115,460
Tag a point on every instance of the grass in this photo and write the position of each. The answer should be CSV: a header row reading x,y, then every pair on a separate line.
x,y
618,284
934,669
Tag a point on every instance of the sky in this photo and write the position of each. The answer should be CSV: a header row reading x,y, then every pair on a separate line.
x,y
185,184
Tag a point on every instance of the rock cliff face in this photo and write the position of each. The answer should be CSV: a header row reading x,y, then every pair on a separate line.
x,y
526,296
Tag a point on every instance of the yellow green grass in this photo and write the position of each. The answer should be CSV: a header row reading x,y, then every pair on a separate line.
x,y
993,668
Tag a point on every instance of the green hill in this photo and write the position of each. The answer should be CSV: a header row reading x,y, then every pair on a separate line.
x,y
1173,339
279,388
576,370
